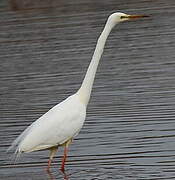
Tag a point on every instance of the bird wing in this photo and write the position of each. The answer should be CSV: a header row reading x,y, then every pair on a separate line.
x,y
55,127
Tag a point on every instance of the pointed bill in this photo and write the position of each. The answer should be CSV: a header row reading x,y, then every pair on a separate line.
x,y
130,17
136,16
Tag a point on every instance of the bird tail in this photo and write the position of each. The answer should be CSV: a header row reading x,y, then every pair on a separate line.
x,y
15,156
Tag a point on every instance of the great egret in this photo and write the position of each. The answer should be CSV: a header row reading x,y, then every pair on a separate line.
x,y
63,122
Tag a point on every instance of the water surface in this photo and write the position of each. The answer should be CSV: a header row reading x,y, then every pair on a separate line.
x,y
45,49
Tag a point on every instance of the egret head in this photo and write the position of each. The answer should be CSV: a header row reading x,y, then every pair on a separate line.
x,y
120,17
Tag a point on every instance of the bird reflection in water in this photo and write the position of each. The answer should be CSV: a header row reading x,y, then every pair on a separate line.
x,y
52,177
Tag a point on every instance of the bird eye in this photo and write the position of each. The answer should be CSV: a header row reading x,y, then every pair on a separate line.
x,y
122,17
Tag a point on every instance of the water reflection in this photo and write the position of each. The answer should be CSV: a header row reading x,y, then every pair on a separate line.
x,y
51,176
64,174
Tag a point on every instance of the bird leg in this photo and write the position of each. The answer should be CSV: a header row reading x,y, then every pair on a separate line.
x,y
53,151
65,154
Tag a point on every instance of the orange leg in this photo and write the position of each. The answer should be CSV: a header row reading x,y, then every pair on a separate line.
x,y
49,164
64,158
53,151
65,155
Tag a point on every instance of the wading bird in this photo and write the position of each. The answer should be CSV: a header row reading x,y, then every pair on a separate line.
x,y
62,123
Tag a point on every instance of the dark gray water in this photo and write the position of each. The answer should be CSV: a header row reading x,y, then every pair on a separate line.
x,y
45,48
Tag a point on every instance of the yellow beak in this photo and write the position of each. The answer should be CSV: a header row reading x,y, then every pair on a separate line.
x,y
136,16
130,17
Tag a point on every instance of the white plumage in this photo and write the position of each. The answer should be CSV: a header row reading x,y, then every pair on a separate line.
x,y
63,122
55,127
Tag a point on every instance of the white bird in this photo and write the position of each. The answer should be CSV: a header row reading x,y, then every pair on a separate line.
x,y
62,123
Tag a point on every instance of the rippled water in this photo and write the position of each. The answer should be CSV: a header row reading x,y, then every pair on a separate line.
x,y
45,49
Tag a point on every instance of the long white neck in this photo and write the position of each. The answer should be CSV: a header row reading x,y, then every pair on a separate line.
x,y
85,90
